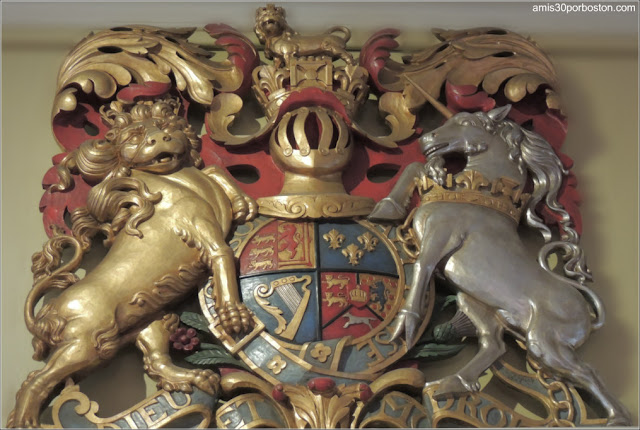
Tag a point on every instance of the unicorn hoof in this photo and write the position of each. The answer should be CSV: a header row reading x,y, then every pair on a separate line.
x,y
454,384
387,210
622,419
618,422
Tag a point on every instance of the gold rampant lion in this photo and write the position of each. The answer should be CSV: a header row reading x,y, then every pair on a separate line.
x,y
282,42
165,221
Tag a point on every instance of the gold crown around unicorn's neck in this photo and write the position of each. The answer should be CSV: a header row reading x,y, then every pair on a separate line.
x,y
469,186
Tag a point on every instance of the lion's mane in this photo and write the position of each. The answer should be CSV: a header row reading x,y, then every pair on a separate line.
x,y
118,200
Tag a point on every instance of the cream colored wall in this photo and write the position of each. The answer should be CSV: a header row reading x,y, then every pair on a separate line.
x,y
599,75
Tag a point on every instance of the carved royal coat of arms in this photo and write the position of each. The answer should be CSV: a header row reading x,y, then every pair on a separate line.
x,y
305,272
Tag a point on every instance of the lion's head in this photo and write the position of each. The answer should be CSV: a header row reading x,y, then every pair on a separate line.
x,y
152,137
270,22
149,136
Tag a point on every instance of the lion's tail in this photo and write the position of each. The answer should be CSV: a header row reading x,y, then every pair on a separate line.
x,y
572,250
346,33
49,275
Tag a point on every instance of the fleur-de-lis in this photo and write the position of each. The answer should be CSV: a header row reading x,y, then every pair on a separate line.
x,y
335,239
369,241
353,253
321,352
472,180
276,364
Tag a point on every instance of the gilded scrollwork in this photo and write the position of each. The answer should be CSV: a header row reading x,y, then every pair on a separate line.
x,y
103,62
73,408
398,116
315,206
481,57
563,405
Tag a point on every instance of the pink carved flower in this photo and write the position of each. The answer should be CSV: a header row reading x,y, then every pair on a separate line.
x,y
185,340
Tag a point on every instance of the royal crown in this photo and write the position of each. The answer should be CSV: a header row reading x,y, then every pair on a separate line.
x,y
358,295
347,83
302,61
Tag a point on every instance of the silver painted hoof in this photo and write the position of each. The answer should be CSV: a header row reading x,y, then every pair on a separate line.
x,y
455,384
407,323
387,210
622,419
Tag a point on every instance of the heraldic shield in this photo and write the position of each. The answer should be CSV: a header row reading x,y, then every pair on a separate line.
x,y
333,260
326,296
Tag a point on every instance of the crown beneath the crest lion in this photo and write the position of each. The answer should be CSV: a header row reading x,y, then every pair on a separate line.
x,y
305,61
347,83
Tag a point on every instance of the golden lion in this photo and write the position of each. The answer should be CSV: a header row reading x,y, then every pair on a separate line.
x,y
282,42
165,222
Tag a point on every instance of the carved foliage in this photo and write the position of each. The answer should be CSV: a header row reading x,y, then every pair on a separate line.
x,y
122,55
486,57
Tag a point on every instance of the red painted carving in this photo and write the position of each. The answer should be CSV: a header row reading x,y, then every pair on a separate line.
x,y
55,205
465,98
313,97
365,392
321,384
278,393
368,157
150,90
270,178
375,53
70,128
354,322
242,53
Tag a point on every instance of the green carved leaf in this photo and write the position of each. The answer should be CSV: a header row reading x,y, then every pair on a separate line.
x,y
209,346
435,351
197,321
214,355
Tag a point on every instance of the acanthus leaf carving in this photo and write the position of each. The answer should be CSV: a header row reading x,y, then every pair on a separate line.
x,y
484,57
117,57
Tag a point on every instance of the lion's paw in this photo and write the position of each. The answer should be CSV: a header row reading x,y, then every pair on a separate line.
x,y
235,318
11,420
244,208
253,208
184,380
29,419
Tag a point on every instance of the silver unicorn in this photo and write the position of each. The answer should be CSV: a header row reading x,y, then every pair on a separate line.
x,y
479,252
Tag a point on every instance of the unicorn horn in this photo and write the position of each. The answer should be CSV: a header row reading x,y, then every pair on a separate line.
x,y
435,103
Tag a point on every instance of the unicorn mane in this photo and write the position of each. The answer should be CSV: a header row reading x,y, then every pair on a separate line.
x,y
534,154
